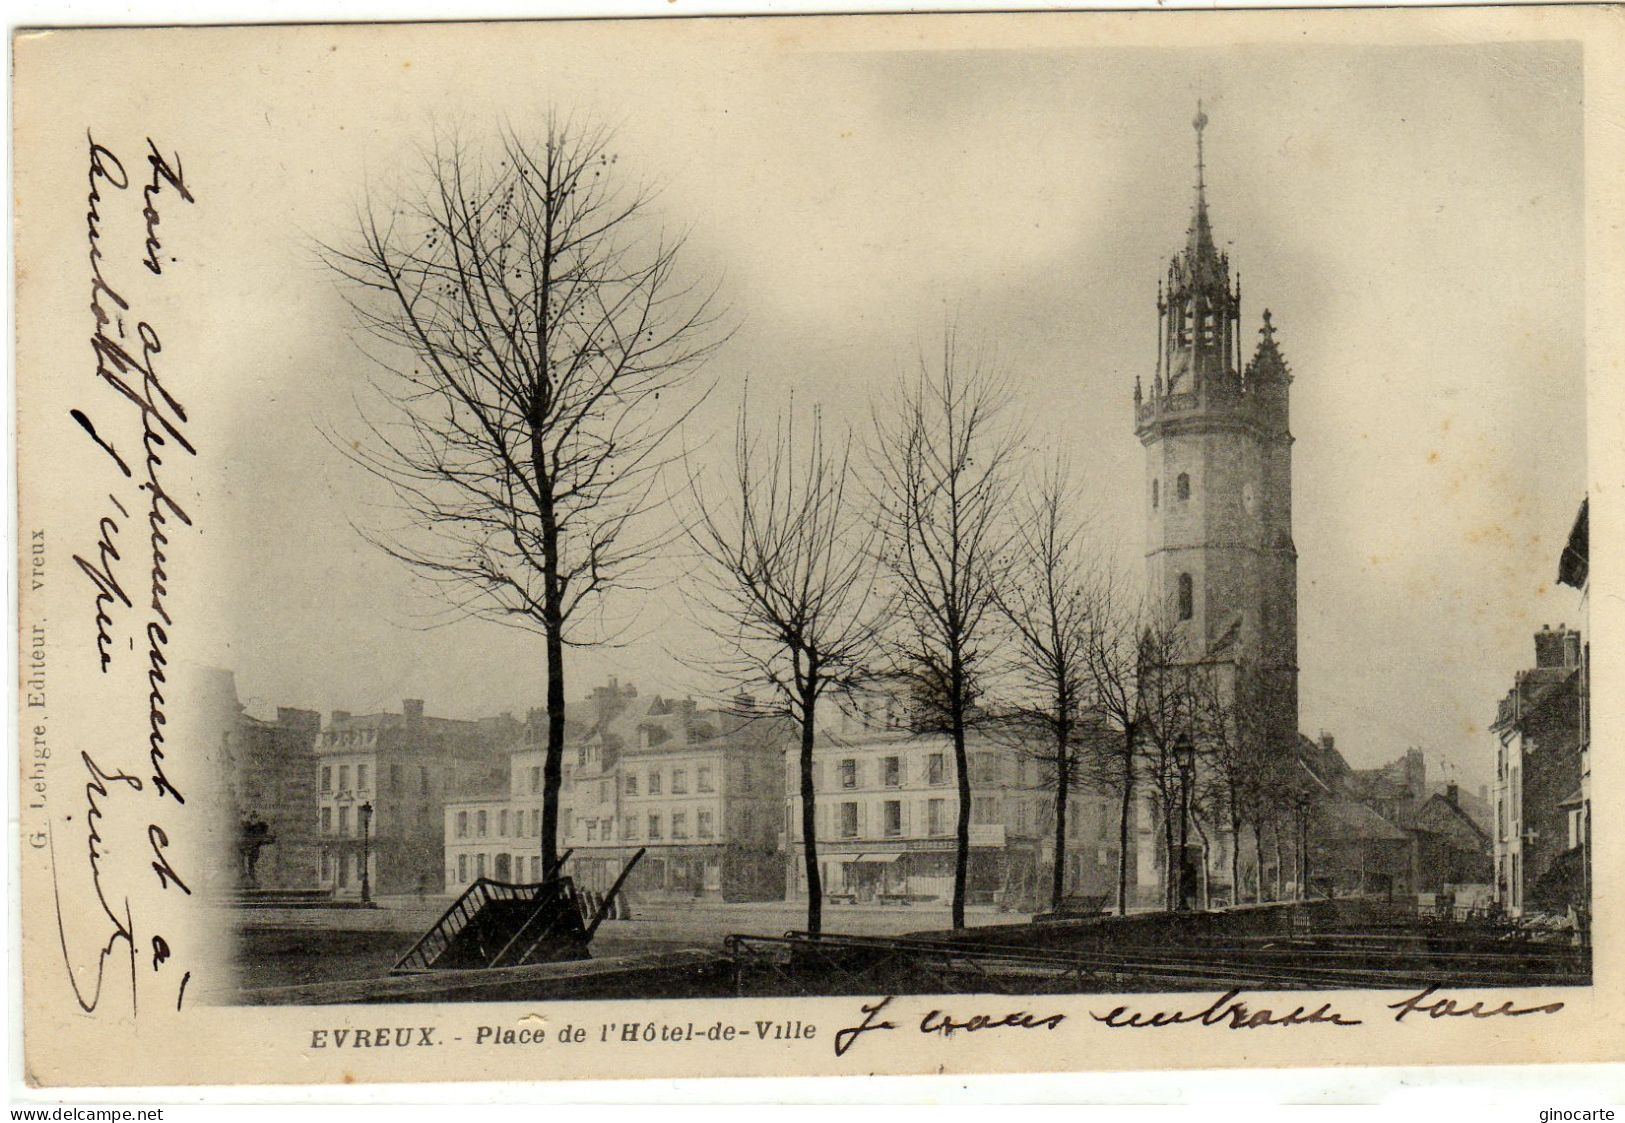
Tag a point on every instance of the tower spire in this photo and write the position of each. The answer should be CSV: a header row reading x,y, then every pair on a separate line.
x,y
1201,235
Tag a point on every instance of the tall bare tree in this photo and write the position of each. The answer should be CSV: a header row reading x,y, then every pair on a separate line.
x,y
1230,709
943,476
791,578
1047,599
1130,654
535,339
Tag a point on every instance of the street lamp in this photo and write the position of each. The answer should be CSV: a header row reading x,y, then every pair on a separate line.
x,y
1301,800
1185,756
366,855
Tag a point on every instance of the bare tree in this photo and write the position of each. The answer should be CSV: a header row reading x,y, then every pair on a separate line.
x,y
534,341
1047,600
943,461
1131,653
1232,712
791,576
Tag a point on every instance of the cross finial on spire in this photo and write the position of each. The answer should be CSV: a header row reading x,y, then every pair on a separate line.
x,y
1268,330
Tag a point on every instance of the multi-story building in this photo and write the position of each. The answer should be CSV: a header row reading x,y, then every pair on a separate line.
x,y
270,773
1538,769
384,780
1574,570
887,806
696,788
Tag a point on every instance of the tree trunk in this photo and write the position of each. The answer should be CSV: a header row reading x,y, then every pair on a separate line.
x,y
809,819
1125,810
553,626
1235,857
1171,872
1063,781
1258,861
962,858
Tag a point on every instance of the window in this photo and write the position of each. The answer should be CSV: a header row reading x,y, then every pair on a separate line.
x,y
893,772
1182,486
394,777
984,809
936,819
894,817
629,829
536,779
849,774
502,823
654,783
344,777
361,777
344,820
679,786
462,824
654,828
1153,495
592,830
608,829
849,820
462,867
703,824
327,779
479,824
603,791
631,783
479,865
1187,597
423,781
936,769
1021,816
704,780
536,821
747,822
327,820
679,824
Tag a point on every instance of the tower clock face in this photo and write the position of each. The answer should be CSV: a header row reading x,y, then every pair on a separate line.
x,y
1249,499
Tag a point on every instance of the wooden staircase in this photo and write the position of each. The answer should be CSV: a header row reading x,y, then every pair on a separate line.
x,y
498,924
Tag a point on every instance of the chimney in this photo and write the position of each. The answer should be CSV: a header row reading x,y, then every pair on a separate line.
x,y
413,709
339,717
1452,793
1328,742
1571,648
1548,647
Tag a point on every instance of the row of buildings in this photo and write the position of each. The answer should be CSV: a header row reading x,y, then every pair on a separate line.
x,y
410,804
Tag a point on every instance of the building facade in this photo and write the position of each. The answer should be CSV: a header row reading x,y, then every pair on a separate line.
x,y
1539,729
696,789
887,805
383,781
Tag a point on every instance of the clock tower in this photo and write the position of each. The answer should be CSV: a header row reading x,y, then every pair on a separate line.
x,y
1218,491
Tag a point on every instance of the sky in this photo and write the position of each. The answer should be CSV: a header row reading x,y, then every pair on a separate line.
x,y
1412,217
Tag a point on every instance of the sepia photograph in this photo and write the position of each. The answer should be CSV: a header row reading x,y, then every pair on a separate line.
x,y
1019,523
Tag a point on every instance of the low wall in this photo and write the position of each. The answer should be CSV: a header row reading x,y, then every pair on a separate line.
x,y
675,974
1163,929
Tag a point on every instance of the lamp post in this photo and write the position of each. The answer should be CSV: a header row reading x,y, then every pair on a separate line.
x,y
366,855
1185,755
1301,799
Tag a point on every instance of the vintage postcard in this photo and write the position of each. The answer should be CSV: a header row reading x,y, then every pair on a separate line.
x,y
832,545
